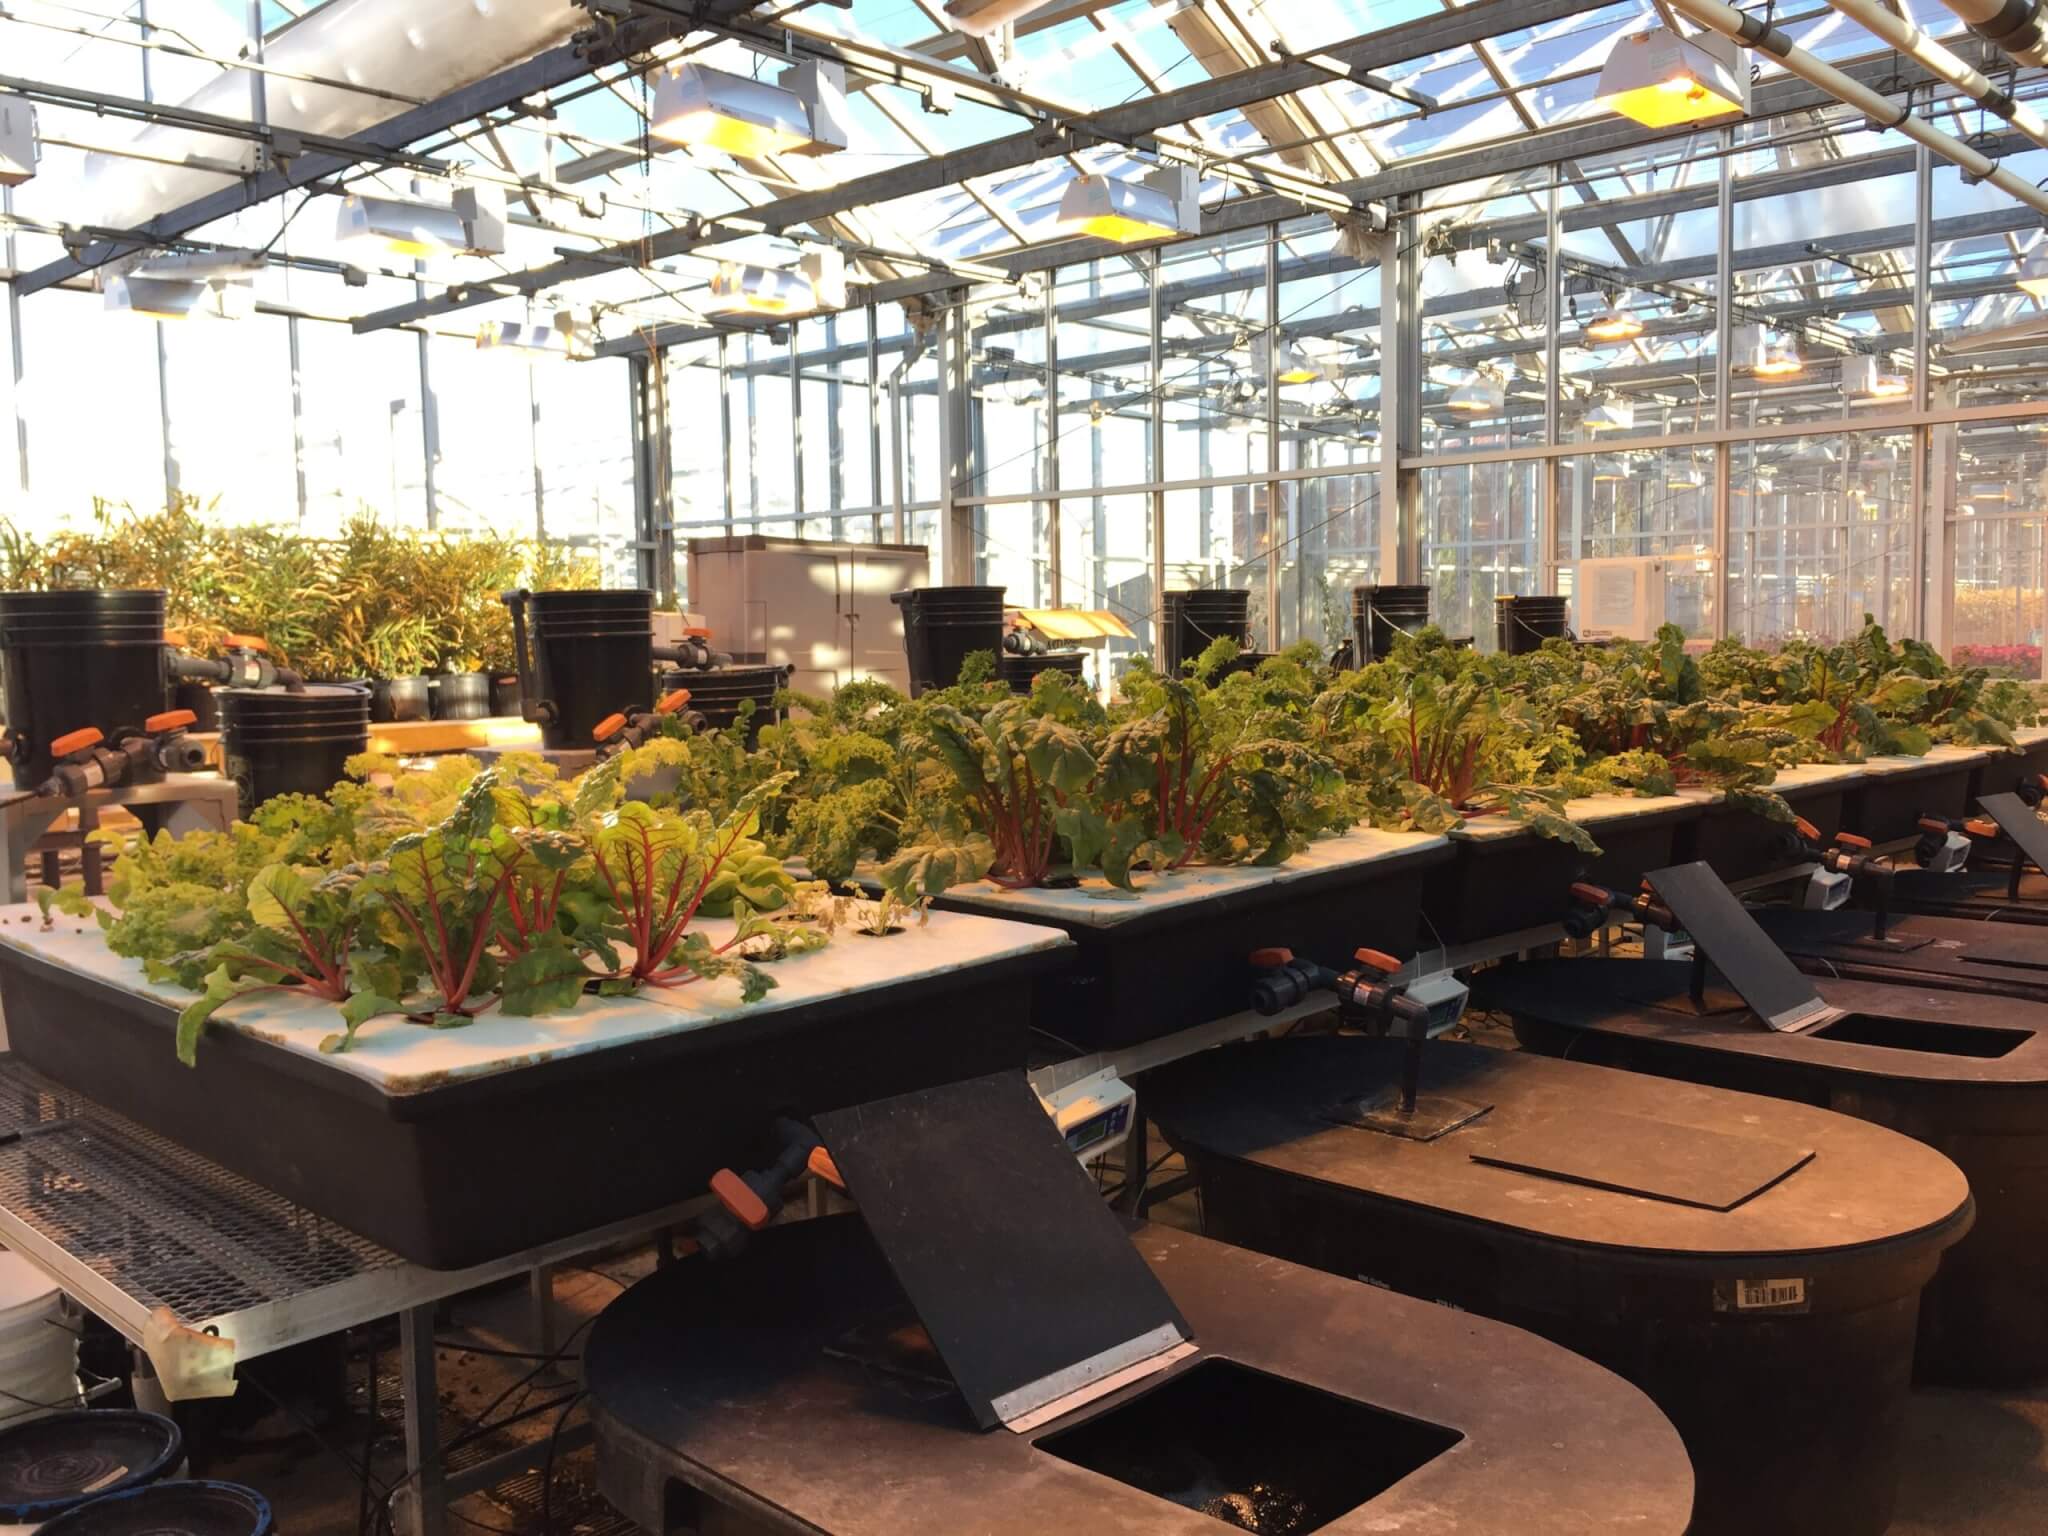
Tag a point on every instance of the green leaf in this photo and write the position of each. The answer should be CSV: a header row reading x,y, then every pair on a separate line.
x,y
221,986
932,868
548,978
360,1008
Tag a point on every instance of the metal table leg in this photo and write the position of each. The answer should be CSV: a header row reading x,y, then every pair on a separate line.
x,y
426,1506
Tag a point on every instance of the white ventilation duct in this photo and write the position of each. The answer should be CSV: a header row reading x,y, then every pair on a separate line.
x,y
412,48
2016,26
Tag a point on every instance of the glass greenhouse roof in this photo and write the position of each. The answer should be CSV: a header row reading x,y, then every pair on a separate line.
x,y
602,214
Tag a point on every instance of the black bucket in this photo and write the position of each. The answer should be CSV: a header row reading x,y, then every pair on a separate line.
x,y
74,659
505,695
193,1508
279,743
393,699
582,656
1194,618
1020,672
54,1464
197,697
942,626
1522,624
1381,615
461,695
717,693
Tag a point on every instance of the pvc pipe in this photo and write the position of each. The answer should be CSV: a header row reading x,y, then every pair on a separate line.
x,y
2016,26
1754,34
1910,40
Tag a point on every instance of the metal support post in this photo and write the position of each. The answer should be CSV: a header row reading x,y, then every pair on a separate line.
x,y
1724,334
426,1505
1276,523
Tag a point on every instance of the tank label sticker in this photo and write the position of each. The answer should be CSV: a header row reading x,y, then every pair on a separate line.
x,y
1773,1295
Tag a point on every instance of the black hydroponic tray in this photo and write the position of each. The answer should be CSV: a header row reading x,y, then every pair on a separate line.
x,y
474,1156
1315,1404
1178,954
1776,1333
2002,772
1886,803
1738,844
1506,879
1966,1074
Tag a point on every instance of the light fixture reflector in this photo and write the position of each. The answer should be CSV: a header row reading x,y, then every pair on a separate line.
x,y
1662,80
1164,204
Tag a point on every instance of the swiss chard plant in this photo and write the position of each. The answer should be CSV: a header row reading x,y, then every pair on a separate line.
x,y
1435,734
1212,772
662,869
1020,775
309,938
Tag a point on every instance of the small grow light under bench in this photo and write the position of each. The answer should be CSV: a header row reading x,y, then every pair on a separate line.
x,y
452,1147
1175,954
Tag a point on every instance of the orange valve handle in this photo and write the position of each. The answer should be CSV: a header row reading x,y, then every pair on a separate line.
x,y
672,702
1385,964
1271,959
175,638
1982,827
738,1197
608,727
76,741
1935,825
1806,829
245,642
170,720
820,1162
1591,895
698,632
1851,840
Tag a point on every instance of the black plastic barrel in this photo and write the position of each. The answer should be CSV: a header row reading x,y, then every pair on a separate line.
x,y
505,695
198,697
718,693
1020,672
1522,624
1380,615
461,695
942,626
1194,618
74,659
279,743
56,1463
587,655
400,698
193,1508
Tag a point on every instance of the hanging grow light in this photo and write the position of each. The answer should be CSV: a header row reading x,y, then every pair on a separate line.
x,y
567,335
185,285
1778,358
472,222
817,282
1291,362
1687,479
1611,413
1164,204
1863,378
1609,472
1617,322
705,108
1661,79
1480,394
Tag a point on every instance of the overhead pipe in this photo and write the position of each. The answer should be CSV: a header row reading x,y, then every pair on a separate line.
x,y
1758,35
1909,40
2014,26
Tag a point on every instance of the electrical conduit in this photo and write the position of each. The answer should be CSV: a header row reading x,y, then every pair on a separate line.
x,y
1754,34
1908,39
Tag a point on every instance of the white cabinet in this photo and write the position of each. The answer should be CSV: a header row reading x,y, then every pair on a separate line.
x,y
819,607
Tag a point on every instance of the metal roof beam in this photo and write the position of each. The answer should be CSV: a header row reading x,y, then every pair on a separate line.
x,y
542,72
1123,123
